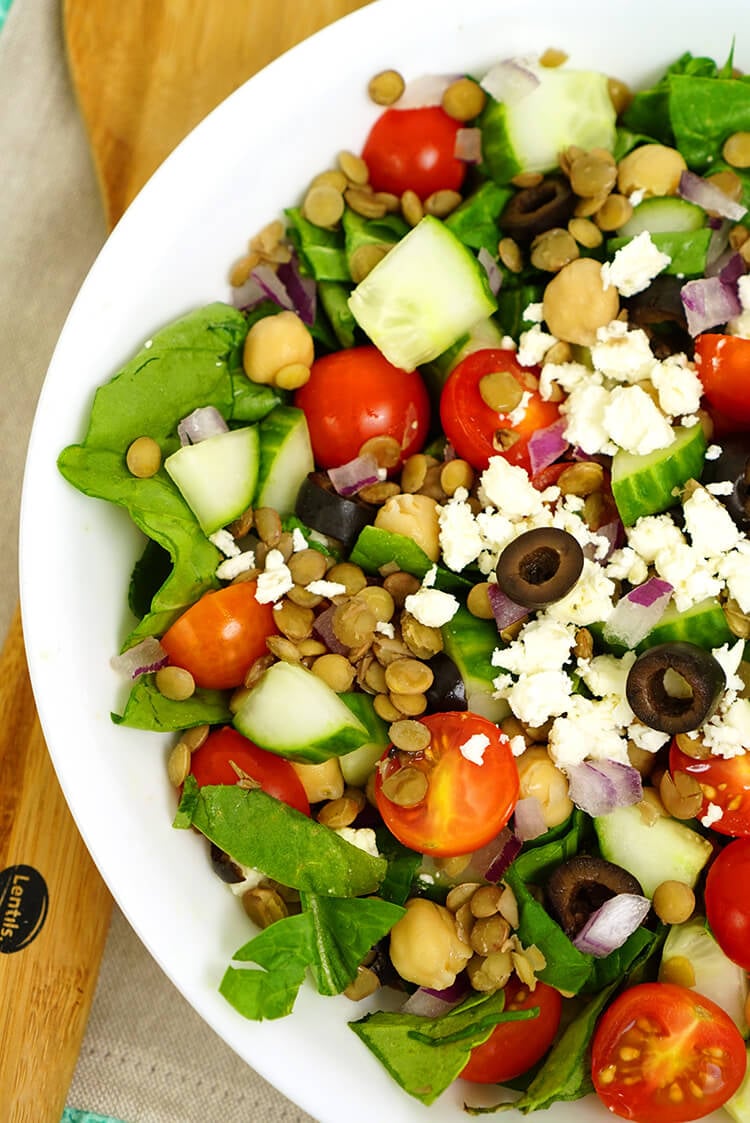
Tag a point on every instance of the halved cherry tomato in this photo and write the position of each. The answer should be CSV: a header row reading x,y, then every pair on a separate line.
x,y
725,783
357,394
465,804
477,431
728,900
212,764
513,1047
664,1054
221,635
413,149
723,366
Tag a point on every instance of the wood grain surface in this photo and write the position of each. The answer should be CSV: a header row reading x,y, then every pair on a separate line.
x,y
145,73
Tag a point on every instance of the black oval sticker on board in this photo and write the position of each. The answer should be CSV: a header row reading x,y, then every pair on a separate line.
x,y
23,907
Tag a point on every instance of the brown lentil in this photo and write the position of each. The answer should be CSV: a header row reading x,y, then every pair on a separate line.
x,y
553,249
584,646
673,902
478,601
489,933
728,182
560,352
338,813
178,764
583,478
323,205
414,472
553,57
738,235
374,678
409,736
736,150
486,901
349,575
306,566
508,906
353,623
653,168
509,253
455,474
441,203
400,585
143,458
385,708
584,208
268,525
527,179
738,621
464,99
694,747
681,794
464,921
411,207
614,213
364,203
195,737
412,705
500,390
585,232
333,177
311,648
264,905
385,451
174,683
379,493
677,969
364,258
242,269
386,87
293,621
420,639
489,973
354,168
406,788
283,648
365,983
620,95
460,895
334,670
378,600
298,594
592,173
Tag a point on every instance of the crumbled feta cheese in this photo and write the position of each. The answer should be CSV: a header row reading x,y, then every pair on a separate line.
x,y
646,738
679,387
634,422
713,452
508,487
542,645
251,879
590,599
590,730
711,528
712,815
727,733
475,747
635,265
518,745
224,541
566,376
721,487
652,535
516,416
233,567
622,355
740,325
431,607
533,313
606,674
734,569
692,577
460,540
361,837
275,580
534,698
323,588
533,345
584,412
626,565
299,542
430,577
385,628
637,196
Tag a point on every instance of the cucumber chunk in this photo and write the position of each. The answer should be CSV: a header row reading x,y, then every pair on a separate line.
x,y
646,485
357,765
716,976
424,295
663,214
286,458
295,714
218,476
469,642
738,1106
526,129
662,850
703,624
686,249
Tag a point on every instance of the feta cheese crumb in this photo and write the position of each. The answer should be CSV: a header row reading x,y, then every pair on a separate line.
x,y
533,345
533,313
430,577
385,628
322,588
474,748
518,745
275,580
431,607
678,385
460,540
508,487
299,542
635,265
361,837
712,815
634,422
233,567
622,355
590,599
711,528
224,541
713,452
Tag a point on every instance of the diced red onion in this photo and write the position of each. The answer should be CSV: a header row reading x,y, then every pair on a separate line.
x,y
708,302
718,248
428,1003
493,859
732,269
145,657
547,445
598,787
528,819
421,93
323,628
491,268
202,423
708,196
303,291
509,80
351,477
248,294
273,287
505,610
614,532
468,145
638,612
609,927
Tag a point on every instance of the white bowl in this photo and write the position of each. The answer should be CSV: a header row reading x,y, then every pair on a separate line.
x,y
170,253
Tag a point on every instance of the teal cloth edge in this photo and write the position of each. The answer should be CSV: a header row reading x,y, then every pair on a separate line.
x,y
70,1115
4,9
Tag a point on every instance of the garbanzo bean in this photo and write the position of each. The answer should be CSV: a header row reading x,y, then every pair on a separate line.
x,y
416,517
540,778
321,781
276,342
576,302
653,168
425,946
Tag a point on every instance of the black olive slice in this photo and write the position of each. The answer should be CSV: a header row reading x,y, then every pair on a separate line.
x,y
687,701
224,866
448,690
320,507
659,303
533,210
733,466
580,886
540,566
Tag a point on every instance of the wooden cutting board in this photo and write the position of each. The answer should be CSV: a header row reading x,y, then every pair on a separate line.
x,y
145,73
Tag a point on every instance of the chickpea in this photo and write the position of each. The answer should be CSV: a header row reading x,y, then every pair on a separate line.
x,y
541,778
321,781
425,946
416,517
653,168
576,302
274,343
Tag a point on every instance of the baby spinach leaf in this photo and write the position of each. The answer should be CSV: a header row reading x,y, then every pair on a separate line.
x,y
648,111
402,867
475,220
149,574
704,112
261,832
330,937
188,801
321,252
147,708
425,1055
615,966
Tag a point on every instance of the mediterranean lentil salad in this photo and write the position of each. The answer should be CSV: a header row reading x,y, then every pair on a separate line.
x,y
445,595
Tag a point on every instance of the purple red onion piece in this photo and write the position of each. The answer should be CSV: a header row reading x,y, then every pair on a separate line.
x,y
505,610
707,195
599,787
425,92
468,145
302,290
202,423
428,1003
492,269
708,302
146,657
609,927
638,612
528,819
547,445
351,477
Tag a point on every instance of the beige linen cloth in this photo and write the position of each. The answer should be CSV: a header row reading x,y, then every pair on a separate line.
x,y
147,1056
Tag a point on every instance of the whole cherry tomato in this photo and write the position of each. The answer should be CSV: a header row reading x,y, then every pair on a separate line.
x,y
723,365
513,1047
214,763
413,150
728,900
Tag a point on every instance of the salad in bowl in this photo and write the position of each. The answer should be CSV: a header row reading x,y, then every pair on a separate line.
x,y
436,581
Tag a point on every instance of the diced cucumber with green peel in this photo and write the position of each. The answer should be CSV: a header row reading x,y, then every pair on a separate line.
x,y
525,129
687,250
703,624
662,849
716,976
286,458
424,295
357,765
218,476
377,548
648,484
470,642
663,214
295,714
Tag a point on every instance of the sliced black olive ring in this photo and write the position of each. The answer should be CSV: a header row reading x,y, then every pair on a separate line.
x,y
733,466
580,886
533,210
540,567
320,507
682,701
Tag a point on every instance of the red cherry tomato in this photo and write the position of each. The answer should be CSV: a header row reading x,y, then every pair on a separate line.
x,y
728,900
221,635
357,394
466,804
412,149
470,424
664,1054
725,783
212,764
723,366
513,1047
